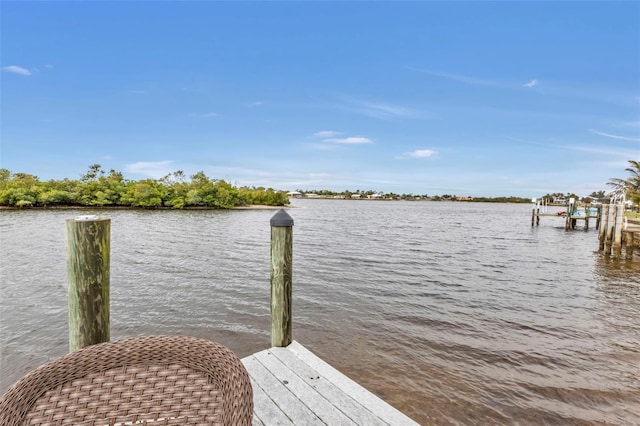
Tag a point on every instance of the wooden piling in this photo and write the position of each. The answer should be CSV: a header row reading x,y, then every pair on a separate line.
x,y
533,215
611,219
88,269
535,212
617,237
586,218
598,217
570,222
629,247
281,278
604,214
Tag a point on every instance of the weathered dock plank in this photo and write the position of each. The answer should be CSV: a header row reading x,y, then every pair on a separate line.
x,y
293,386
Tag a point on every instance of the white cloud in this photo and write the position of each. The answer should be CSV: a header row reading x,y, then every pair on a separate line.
x,y
418,153
48,66
532,83
152,169
206,115
422,153
352,140
608,135
16,70
326,134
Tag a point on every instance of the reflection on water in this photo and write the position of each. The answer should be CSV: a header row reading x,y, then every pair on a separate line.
x,y
452,312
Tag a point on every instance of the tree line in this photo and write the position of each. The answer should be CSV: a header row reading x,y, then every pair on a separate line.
x,y
628,188
100,188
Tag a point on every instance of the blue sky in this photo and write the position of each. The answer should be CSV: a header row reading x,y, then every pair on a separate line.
x,y
482,98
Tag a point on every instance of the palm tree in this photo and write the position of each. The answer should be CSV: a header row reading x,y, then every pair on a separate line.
x,y
629,187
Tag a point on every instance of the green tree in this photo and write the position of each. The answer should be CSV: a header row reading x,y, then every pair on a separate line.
x,y
145,193
629,187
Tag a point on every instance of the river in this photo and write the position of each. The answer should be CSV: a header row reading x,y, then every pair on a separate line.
x,y
455,313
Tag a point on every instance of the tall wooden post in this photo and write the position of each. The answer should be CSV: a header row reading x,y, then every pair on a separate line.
x,y
617,236
570,223
533,215
586,218
88,269
604,214
598,217
611,221
281,278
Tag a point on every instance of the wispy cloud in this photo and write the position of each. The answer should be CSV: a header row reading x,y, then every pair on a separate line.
x,y
16,70
386,111
206,115
353,140
329,138
475,81
418,153
478,81
152,169
327,134
382,110
48,66
608,135
632,124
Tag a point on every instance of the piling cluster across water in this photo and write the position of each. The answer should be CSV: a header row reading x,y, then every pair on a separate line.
x,y
613,234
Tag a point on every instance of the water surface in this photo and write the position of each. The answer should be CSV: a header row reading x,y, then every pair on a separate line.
x,y
455,313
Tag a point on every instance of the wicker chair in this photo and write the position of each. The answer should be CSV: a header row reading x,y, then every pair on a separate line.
x,y
157,380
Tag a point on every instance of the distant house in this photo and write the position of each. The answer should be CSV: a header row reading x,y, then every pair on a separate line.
x,y
464,198
355,196
311,195
294,194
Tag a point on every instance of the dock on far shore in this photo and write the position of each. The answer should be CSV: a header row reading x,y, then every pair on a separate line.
x,y
292,386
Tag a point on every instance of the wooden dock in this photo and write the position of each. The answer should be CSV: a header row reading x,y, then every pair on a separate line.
x,y
292,386
571,216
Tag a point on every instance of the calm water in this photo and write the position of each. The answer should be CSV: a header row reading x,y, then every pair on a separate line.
x,y
455,313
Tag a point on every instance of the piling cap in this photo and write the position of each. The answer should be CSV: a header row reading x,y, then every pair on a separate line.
x,y
281,218
87,217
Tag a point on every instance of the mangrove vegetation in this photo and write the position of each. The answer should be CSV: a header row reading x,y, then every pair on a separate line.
x,y
98,188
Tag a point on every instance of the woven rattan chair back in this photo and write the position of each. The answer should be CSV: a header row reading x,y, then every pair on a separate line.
x,y
156,380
